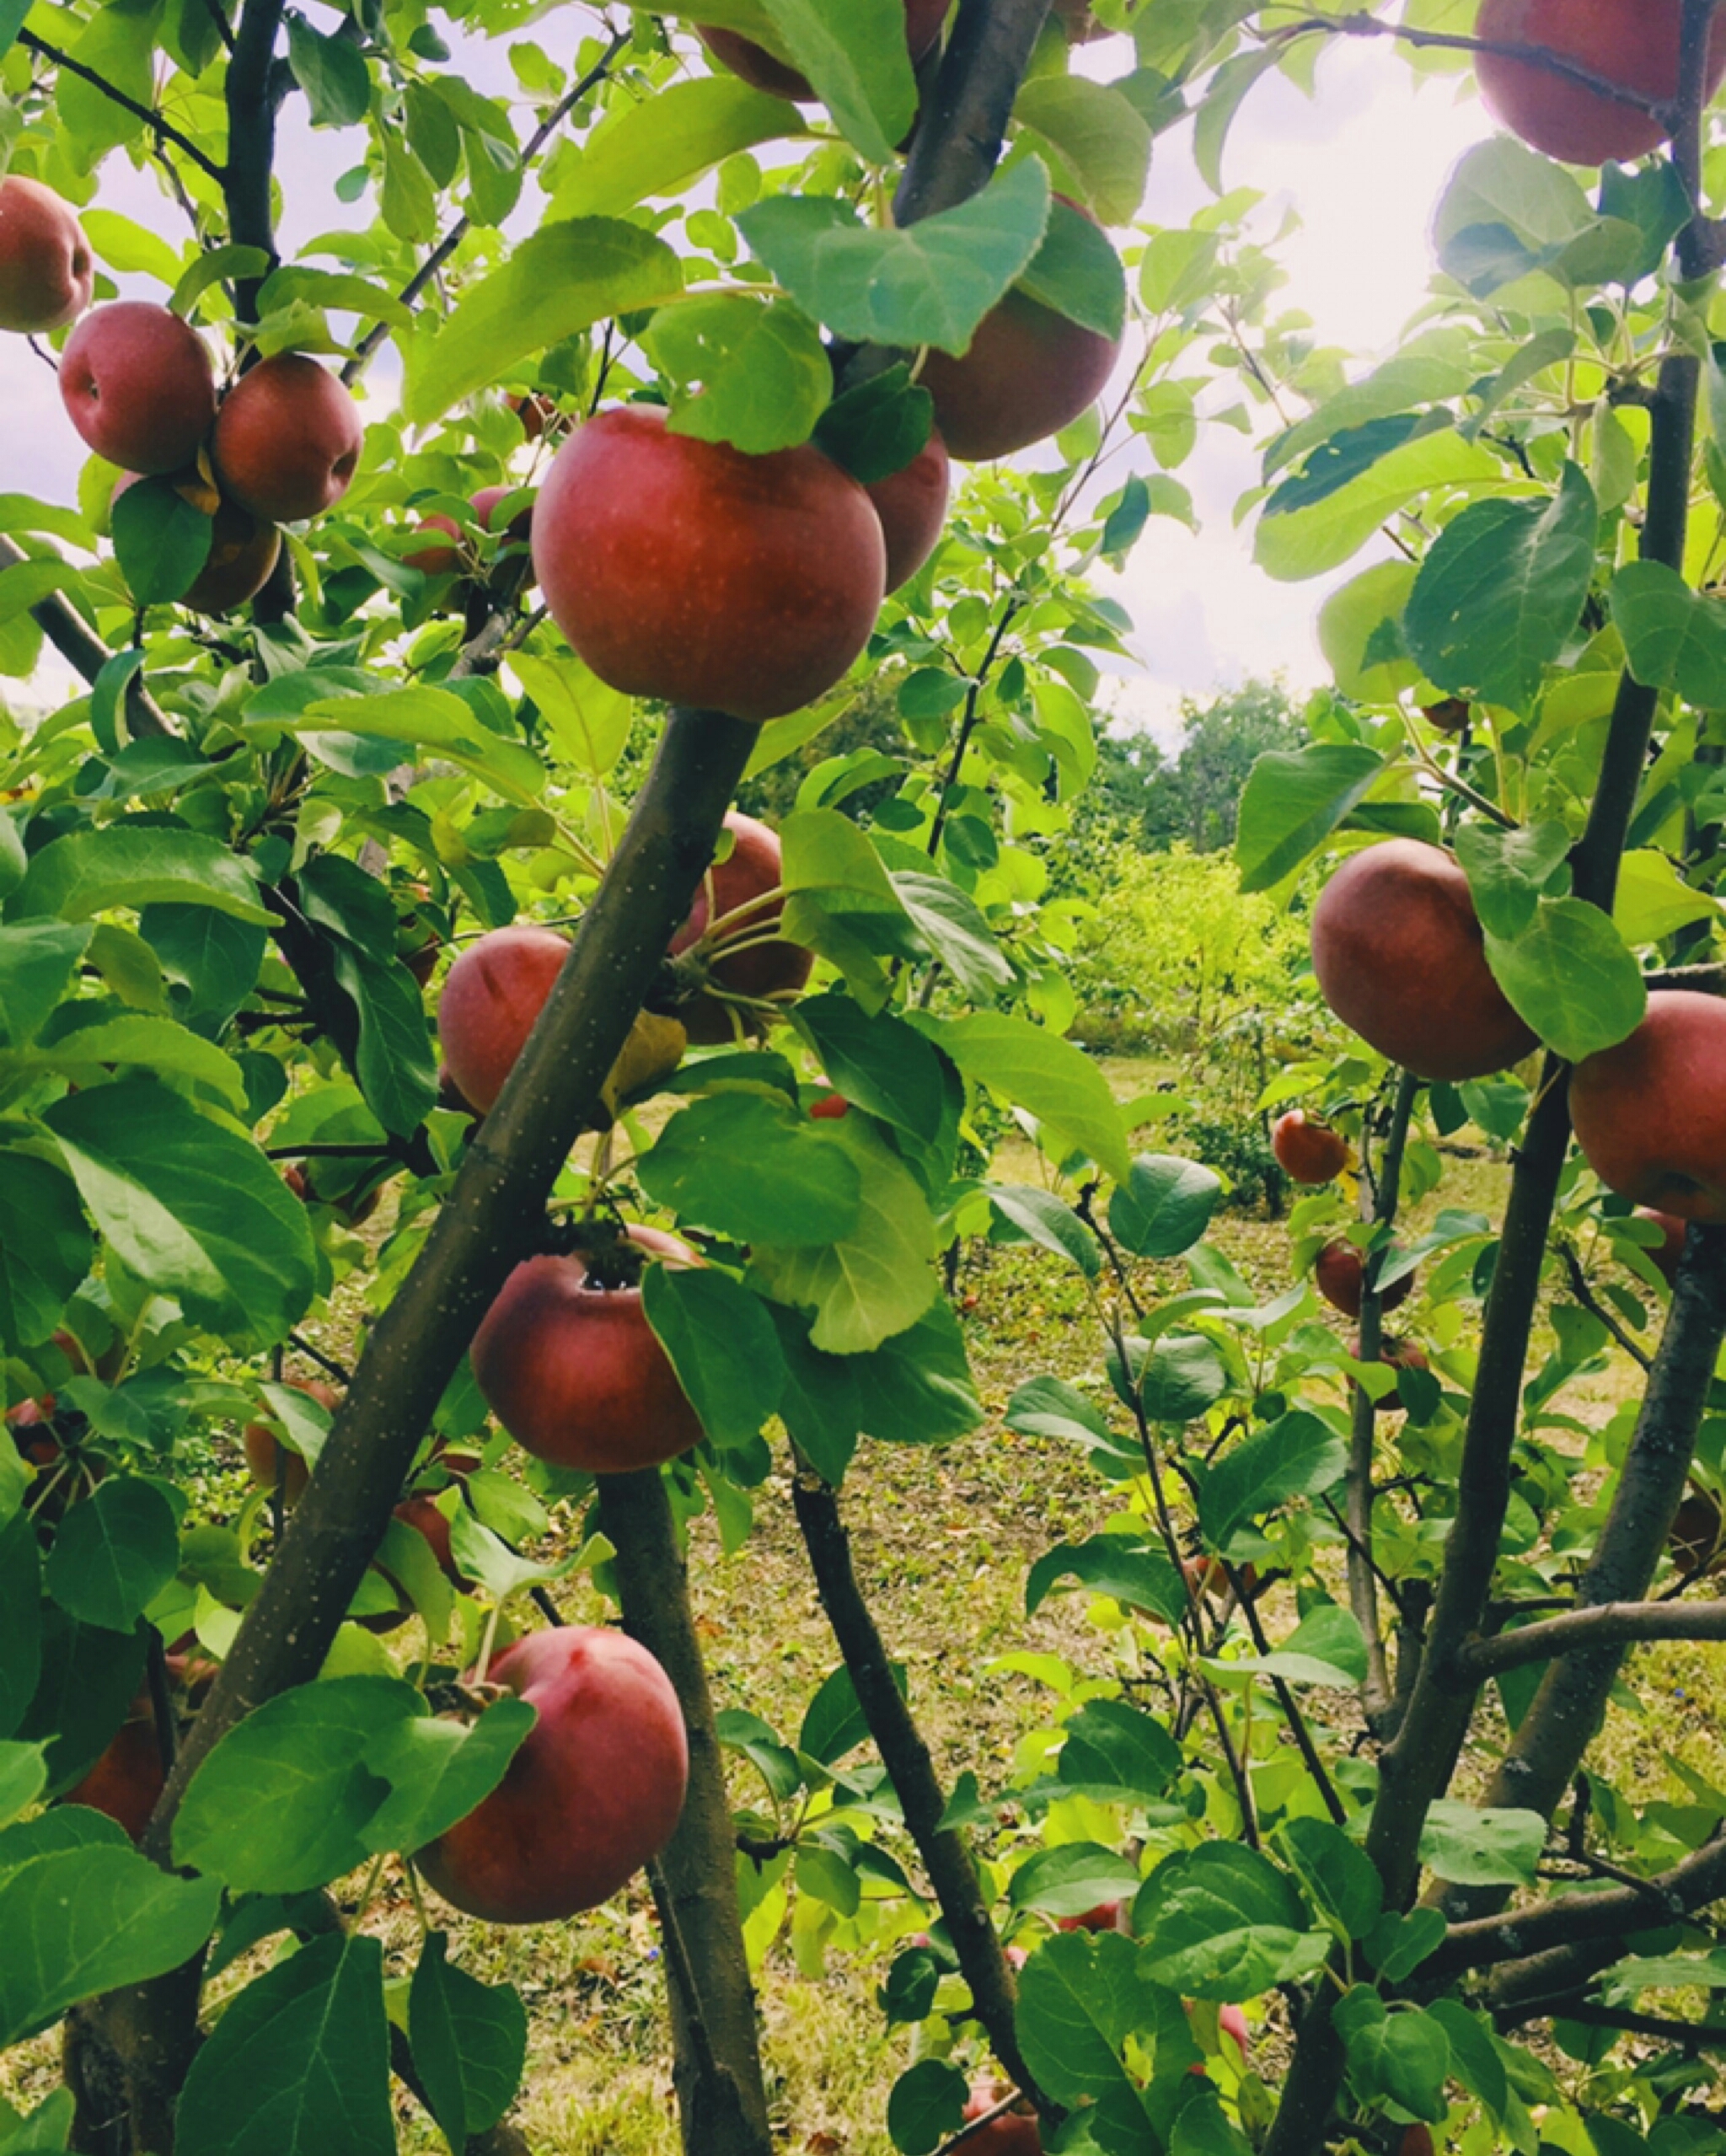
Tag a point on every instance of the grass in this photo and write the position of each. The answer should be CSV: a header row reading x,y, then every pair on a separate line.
x,y
943,1541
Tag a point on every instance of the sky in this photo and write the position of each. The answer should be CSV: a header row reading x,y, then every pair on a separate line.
x,y
1362,164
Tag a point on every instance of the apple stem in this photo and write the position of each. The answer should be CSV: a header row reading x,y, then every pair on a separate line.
x,y
488,1641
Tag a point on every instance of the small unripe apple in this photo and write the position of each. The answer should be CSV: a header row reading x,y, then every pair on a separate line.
x,y
575,1373
492,995
912,505
1307,1152
1014,2133
594,1793
287,439
758,66
1634,43
1029,372
1650,1114
1664,1256
1400,959
129,1778
754,866
685,571
1340,1276
264,1448
47,269
136,384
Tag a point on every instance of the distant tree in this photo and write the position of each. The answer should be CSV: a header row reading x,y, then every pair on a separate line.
x,y
1193,796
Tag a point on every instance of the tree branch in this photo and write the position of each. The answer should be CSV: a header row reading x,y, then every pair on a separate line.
x,y
959,136
945,1857
164,130
1606,1624
85,651
254,97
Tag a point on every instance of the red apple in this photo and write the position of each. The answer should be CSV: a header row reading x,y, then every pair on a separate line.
x,y
759,69
829,1107
491,997
1451,715
1341,1278
287,439
685,571
137,385
1029,372
128,1779
1307,1151
1400,959
451,1096
575,1373
1014,2133
1650,1113
1631,42
912,505
1208,1576
437,560
1105,1917
422,1513
1396,1349
594,1793
262,1446
1231,2022
1664,1256
538,413
754,866
1416,2141
46,269
521,525
1694,1538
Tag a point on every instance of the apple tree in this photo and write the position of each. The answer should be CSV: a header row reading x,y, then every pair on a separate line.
x,y
431,589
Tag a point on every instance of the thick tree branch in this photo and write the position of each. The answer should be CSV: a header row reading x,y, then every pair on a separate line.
x,y
960,135
1606,1624
253,94
945,1856
163,129
721,2102
79,645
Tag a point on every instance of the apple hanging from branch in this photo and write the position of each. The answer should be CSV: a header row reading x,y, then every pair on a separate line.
x,y
47,269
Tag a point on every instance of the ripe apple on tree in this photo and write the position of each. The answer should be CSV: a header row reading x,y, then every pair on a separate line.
x,y
739,902
47,269
1664,1256
1340,1276
1650,1114
912,505
594,1793
137,384
129,1778
1014,2133
1401,958
570,1367
264,1449
686,571
1633,43
287,439
243,547
492,996
1307,1152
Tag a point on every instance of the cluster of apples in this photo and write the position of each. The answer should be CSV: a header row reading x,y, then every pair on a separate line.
x,y
137,381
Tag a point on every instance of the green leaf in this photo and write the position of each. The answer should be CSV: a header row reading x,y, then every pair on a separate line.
x,y
950,923
1049,1407
26,584
1654,901
1507,870
407,199
426,717
834,1722
23,1775
1071,1878
755,1170
926,2106
80,1922
47,2131
161,541
878,426
1136,1574
1050,1222
1297,1456
588,722
88,1680
1037,1069
214,265
1165,1205
1294,799
469,2042
1305,542
1116,1752
1220,1922
875,1280
438,1771
332,72
1500,592
1404,2056
722,1345
559,282
1077,272
1178,1380
1338,1874
853,54
114,1553
1326,1647
1674,638
212,957
90,871
298,2062
394,1064
1475,1846
36,966
20,1620
12,15
155,1044
191,1205
1474,2057
1572,976
665,141
1099,135
752,372
880,1064
930,283
1080,1997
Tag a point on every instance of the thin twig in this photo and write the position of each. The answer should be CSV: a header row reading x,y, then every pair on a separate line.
x,y
165,130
